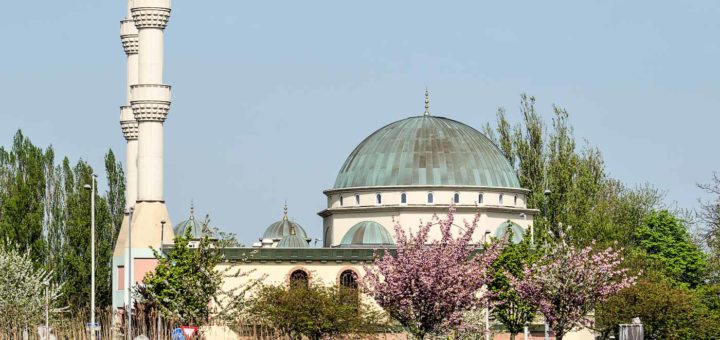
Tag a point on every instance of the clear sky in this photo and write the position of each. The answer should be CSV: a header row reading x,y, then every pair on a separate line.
x,y
269,97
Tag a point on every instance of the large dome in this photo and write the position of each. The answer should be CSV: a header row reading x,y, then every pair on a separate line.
x,y
426,151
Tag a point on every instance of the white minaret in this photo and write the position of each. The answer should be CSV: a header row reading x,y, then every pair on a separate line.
x,y
141,119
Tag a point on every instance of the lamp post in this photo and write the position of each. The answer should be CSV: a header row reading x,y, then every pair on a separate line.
x,y
129,275
487,308
547,193
92,255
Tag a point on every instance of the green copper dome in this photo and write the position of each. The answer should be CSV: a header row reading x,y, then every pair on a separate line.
x,y
293,241
426,150
367,233
509,226
282,228
194,226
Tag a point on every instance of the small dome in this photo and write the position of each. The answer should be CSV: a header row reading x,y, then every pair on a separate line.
x,y
195,226
367,233
282,228
293,241
426,151
507,226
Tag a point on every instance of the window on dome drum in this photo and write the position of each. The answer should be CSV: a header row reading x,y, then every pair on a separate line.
x,y
341,200
480,198
378,199
430,198
299,277
515,200
349,292
500,199
357,199
403,198
456,198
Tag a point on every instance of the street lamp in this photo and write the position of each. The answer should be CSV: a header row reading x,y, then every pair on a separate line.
x,y
547,193
129,274
92,256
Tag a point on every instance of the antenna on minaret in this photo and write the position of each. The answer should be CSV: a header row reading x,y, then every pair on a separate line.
x,y
427,102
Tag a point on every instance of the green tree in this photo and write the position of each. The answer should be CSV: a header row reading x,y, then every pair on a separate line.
x,y
710,215
22,195
513,311
185,281
115,194
666,310
313,311
23,289
664,238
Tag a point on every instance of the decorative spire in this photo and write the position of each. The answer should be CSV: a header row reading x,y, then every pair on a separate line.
x,y
285,217
427,103
192,210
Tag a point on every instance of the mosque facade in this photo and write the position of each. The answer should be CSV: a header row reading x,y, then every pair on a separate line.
x,y
403,173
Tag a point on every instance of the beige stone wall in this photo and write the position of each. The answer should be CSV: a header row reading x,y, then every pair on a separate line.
x,y
361,204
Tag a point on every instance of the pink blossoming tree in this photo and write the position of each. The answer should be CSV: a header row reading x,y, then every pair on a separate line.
x,y
566,284
427,286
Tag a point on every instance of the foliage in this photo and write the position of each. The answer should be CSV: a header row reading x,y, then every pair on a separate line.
x,y
314,311
184,281
427,285
186,285
567,284
23,291
710,215
665,239
115,195
581,194
509,308
44,209
666,310
23,171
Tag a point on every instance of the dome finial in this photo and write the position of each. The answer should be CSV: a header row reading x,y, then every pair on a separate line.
x,y
427,102
285,217
192,210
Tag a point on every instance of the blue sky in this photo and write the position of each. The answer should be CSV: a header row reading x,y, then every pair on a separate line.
x,y
269,97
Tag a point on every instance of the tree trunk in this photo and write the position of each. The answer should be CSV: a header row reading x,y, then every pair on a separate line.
x,y
512,336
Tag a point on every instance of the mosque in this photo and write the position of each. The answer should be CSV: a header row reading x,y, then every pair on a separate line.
x,y
401,174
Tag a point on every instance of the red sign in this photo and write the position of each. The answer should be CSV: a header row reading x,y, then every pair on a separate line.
x,y
189,331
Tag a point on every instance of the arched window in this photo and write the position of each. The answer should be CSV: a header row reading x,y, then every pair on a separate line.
x,y
299,278
480,198
378,199
349,285
357,199
430,198
403,198
341,200
515,200
456,198
348,279
500,199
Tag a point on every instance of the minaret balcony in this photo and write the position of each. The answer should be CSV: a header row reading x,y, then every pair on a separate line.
x,y
151,13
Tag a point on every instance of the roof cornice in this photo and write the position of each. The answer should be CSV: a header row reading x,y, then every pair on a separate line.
x,y
424,208
426,187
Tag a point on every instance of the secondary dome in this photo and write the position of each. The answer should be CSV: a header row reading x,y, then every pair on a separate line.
x,y
426,150
510,227
194,226
282,228
293,241
367,233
